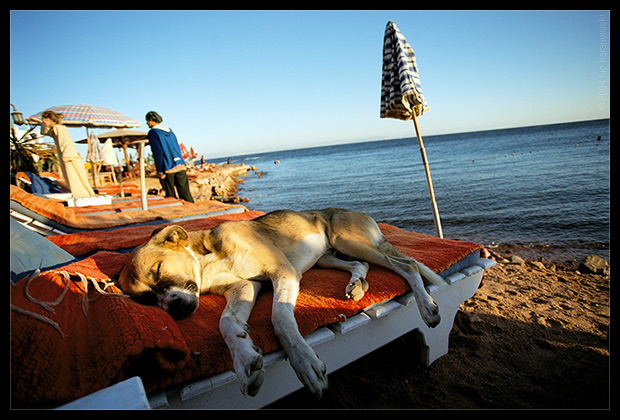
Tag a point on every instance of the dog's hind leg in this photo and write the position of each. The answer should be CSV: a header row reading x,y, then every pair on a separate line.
x,y
386,255
357,285
247,358
310,370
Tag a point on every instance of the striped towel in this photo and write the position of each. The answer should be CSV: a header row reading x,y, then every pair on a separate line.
x,y
400,85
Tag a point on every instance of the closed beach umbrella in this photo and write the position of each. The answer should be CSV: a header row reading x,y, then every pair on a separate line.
x,y
184,153
401,95
124,138
94,155
109,158
94,152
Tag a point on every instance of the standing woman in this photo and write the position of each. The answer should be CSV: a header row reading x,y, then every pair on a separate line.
x,y
70,160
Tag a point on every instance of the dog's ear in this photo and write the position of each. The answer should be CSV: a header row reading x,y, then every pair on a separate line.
x,y
170,236
156,231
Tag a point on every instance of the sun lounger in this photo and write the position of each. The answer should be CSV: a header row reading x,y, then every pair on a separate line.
x,y
51,217
186,364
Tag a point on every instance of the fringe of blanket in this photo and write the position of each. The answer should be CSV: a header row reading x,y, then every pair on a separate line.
x,y
50,306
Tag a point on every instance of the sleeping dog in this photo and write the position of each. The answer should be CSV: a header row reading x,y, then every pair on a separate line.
x,y
233,259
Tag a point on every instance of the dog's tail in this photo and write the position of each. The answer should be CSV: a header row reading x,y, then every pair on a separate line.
x,y
430,275
393,255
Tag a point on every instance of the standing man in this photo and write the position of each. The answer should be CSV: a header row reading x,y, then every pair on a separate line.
x,y
169,163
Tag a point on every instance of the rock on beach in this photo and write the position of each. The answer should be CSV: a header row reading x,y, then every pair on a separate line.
x,y
215,182
595,265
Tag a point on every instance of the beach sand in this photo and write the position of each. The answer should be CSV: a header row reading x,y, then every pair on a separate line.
x,y
533,336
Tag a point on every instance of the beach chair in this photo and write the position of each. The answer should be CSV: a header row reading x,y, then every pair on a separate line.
x,y
337,345
186,364
48,216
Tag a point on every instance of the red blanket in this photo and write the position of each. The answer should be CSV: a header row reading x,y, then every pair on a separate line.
x,y
119,338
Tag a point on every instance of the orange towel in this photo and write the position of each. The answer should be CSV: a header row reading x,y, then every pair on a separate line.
x,y
47,367
128,189
57,212
119,338
81,243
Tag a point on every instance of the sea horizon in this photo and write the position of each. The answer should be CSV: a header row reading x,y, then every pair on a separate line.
x,y
542,187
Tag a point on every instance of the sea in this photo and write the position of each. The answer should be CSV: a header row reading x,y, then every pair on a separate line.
x,y
540,191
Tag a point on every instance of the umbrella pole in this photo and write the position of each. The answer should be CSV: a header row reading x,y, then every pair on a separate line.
x,y
438,229
142,178
120,175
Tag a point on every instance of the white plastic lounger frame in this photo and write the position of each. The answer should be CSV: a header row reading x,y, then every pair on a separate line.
x,y
337,345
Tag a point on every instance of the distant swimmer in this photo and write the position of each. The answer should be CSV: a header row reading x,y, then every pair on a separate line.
x,y
276,162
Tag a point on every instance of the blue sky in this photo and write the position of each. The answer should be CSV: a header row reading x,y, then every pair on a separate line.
x,y
238,82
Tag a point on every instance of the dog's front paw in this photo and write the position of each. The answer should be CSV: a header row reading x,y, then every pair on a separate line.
x,y
356,288
249,370
310,370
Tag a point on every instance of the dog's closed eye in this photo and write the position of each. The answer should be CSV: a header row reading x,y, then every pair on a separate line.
x,y
156,271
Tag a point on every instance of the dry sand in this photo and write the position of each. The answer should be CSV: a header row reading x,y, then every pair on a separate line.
x,y
533,336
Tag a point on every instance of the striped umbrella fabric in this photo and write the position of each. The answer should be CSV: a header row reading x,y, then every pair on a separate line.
x,y
89,116
401,93
401,96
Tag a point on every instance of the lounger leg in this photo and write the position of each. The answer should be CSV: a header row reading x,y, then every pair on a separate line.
x,y
309,369
247,358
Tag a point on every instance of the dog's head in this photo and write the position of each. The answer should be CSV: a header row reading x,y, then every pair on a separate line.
x,y
164,272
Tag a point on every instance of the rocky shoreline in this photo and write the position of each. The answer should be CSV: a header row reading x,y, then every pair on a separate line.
x,y
218,182
213,182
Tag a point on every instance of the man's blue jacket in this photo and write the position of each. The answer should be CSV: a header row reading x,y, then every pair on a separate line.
x,y
165,148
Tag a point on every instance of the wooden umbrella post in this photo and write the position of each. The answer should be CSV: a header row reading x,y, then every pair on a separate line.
x,y
438,229
120,174
142,177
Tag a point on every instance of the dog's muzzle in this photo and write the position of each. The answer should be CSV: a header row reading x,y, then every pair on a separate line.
x,y
179,304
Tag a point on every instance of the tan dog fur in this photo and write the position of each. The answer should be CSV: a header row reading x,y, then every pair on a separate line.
x,y
234,258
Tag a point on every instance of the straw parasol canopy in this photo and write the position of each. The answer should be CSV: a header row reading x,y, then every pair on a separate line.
x,y
122,139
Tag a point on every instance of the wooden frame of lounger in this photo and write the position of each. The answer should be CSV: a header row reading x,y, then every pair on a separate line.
x,y
383,322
